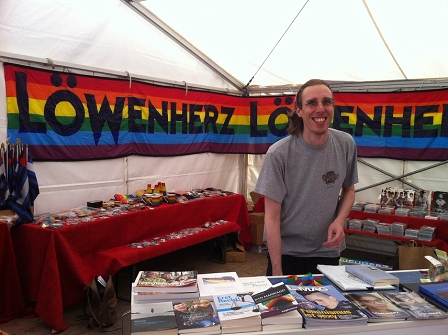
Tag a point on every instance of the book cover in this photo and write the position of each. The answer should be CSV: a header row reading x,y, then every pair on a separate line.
x,y
346,281
211,284
377,308
255,284
415,305
440,202
275,300
325,306
372,275
196,316
423,200
436,291
153,318
237,310
164,281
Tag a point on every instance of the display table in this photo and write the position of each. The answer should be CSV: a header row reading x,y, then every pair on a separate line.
x,y
441,233
55,265
11,299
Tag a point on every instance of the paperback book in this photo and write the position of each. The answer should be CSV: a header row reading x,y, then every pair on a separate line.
x,y
196,316
324,306
166,281
237,313
274,301
346,281
415,305
377,307
211,284
372,275
436,291
153,318
255,284
144,297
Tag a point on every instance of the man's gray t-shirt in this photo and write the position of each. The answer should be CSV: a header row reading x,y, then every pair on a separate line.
x,y
307,181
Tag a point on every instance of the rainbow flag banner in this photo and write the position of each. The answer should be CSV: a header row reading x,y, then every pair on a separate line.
x,y
65,116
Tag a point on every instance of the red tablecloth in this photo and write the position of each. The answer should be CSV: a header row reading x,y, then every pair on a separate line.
x,y
11,299
55,265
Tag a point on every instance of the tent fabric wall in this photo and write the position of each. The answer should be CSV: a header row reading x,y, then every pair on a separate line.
x,y
336,40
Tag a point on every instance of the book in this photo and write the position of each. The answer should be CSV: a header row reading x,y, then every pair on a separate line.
x,y
290,320
338,275
436,291
237,312
274,301
255,284
372,275
166,281
153,318
377,307
415,305
440,202
196,316
144,297
211,284
324,306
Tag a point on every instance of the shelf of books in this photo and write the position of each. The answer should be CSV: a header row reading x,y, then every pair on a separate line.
x,y
382,225
185,302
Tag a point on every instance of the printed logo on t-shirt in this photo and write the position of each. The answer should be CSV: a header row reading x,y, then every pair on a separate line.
x,y
330,177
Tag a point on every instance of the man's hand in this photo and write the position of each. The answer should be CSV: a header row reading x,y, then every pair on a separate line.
x,y
335,235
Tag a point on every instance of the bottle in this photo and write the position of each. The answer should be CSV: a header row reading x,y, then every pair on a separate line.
x,y
148,189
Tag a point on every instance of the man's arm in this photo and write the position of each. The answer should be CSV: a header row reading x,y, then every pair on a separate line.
x,y
336,230
273,237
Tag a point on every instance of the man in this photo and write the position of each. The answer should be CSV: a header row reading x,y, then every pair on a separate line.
x,y
308,182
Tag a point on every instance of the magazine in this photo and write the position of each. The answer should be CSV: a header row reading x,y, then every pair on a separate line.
x,y
377,307
325,306
415,305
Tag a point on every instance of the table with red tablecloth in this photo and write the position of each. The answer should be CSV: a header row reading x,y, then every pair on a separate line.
x,y
54,265
11,300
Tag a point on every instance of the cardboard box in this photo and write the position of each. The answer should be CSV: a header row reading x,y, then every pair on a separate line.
x,y
235,252
256,228
255,196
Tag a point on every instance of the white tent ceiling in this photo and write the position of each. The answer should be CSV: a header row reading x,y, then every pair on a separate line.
x,y
351,40
275,43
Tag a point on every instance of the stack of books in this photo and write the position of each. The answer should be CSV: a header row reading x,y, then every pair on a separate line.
x,y
278,308
237,313
157,286
358,277
153,318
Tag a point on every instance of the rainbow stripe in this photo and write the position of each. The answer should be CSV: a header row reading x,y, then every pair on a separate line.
x,y
62,116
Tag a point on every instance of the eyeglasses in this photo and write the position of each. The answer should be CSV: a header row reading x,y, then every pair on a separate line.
x,y
326,102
